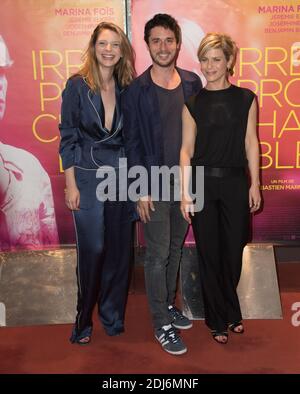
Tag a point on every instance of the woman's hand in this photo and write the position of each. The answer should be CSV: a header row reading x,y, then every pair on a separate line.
x,y
254,198
187,208
72,198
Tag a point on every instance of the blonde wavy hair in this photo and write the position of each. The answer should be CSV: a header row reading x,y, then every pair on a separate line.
x,y
222,41
124,70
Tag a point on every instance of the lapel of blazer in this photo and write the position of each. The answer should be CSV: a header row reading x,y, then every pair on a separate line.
x,y
150,94
119,117
150,108
96,104
187,84
97,108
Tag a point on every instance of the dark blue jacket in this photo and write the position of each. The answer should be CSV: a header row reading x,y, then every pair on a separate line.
x,y
142,128
85,142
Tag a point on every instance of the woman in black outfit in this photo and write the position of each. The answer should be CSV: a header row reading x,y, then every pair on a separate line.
x,y
219,133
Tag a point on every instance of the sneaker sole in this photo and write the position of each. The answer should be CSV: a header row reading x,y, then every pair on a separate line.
x,y
182,327
177,353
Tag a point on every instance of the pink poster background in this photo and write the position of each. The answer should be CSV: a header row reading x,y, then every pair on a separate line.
x,y
267,33
45,40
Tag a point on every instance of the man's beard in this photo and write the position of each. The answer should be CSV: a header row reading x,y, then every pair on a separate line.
x,y
168,64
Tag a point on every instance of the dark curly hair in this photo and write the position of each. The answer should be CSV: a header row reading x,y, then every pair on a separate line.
x,y
166,21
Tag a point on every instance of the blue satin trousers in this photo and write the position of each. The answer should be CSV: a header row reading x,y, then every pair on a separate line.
x,y
104,251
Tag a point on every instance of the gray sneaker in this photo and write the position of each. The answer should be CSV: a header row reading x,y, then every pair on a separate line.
x,y
170,341
179,320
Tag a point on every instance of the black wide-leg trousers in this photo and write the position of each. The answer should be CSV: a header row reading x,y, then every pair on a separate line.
x,y
221,232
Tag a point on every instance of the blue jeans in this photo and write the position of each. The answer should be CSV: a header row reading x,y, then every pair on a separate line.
x,y
164,236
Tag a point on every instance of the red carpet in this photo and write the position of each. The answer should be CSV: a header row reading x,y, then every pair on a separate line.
x,y
267,347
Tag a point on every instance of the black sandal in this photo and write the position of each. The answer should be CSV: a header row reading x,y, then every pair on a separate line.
x,y
232,327
216,334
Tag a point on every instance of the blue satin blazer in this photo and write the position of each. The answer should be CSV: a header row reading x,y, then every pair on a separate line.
x,y
85,142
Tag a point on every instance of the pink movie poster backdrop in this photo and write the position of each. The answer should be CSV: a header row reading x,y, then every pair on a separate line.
x,y
268,35
41,45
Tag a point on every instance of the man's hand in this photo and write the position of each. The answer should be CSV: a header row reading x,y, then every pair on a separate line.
x,y
143,207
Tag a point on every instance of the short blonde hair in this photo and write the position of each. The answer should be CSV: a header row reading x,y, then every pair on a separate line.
x,y
222,41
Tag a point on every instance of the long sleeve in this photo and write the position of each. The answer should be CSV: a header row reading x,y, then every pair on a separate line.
x,y
68,127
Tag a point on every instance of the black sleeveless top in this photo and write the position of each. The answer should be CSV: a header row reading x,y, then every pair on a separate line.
x,y
221,117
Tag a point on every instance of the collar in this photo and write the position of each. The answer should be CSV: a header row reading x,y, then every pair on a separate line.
x,y
185,76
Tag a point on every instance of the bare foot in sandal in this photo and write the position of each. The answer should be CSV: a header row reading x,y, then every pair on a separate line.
x,y
220,336
237,327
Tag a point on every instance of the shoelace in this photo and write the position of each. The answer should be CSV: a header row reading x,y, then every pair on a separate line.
x,y
176,313
172,335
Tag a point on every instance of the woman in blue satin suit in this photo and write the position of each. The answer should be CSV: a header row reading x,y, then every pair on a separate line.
x,y
91,138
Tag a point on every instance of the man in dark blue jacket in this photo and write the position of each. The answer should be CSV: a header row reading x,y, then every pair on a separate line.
x,y
152,108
